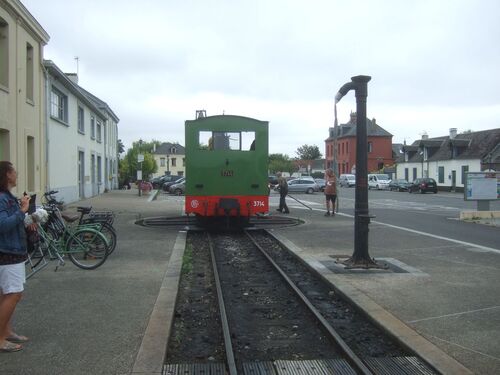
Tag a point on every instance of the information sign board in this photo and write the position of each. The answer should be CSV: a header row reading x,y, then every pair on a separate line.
x,y
482,186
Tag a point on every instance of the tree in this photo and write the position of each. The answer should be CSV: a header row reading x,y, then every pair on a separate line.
x,y
120,147
307,152
281,163
130,165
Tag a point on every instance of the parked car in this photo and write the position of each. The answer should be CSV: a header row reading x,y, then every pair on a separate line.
x,y
321,183
378,181
159,181
347,180
303,185
423,185
169,182
179,187
399,185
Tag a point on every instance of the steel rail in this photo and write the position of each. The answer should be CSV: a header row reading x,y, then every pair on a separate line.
x,y
352,358
222,310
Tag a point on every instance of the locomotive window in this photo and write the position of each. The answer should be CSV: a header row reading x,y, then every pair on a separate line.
x,y
239,141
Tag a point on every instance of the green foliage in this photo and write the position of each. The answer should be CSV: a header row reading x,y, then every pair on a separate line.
x,y
281,163
120,147
129,165
187,260
307,152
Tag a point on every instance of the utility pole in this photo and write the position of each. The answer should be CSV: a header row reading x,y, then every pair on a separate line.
x,y
335,135
360,257
77,65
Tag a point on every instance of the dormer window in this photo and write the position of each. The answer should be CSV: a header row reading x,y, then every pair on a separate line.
x,y
426,153
406,157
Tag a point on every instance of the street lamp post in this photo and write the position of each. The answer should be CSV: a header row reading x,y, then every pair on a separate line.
x,y
360,257
140,159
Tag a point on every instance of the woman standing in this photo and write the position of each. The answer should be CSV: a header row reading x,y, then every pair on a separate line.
x,y
13,254
330,191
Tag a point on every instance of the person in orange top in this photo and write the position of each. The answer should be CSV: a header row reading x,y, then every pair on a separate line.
x,y
330,191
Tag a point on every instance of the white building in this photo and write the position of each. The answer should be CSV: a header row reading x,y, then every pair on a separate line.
x,y
82,136
446,159
22,95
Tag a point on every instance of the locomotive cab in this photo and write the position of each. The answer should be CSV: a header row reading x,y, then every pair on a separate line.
x,y
226,167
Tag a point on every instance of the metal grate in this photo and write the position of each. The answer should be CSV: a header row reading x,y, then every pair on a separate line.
x,y
306,367
398,366
194,369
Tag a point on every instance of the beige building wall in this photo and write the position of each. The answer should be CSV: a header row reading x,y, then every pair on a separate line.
x,y
22,96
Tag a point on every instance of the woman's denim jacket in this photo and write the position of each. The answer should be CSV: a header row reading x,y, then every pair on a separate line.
x,y
12,232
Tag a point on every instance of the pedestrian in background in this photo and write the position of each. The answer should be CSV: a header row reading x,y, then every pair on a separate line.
x,y
13,254
330,191
283,189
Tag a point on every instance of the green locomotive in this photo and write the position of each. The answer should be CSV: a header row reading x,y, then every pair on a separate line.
x,y
226,166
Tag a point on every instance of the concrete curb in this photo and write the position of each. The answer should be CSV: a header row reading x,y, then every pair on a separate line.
x,y
151,355
406,336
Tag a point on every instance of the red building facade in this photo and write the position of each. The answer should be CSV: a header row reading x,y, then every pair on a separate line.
x,y
379,147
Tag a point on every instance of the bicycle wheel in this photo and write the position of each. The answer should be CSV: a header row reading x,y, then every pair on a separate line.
x,y
110,234
106,229
87,248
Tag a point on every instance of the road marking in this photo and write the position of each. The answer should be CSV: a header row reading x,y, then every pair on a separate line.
x,y
454,314
464,347
484,248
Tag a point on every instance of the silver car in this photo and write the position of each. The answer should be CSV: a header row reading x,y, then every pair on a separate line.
x,y
178,188
303,185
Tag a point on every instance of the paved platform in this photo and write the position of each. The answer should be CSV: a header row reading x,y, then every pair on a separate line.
x,y
94,322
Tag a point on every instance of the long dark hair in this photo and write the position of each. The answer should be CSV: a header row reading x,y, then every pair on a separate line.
x,y
5,167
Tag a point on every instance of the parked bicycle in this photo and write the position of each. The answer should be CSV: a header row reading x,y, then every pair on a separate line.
x,y
84,245
87,216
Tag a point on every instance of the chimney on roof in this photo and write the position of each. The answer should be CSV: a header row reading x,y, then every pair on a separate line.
x,y
453,133
353,118
73,77
425,135
374,122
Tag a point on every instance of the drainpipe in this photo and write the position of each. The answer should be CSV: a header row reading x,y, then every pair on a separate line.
x,y
46,124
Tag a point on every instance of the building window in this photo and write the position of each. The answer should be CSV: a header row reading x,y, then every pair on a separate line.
x,y
4,53
414,174
162,162
347,148
29,72
465,169
81,120
98,135
174,162
441,175
99,170
30,165
92,127
58,105
183,162
370,146
407,174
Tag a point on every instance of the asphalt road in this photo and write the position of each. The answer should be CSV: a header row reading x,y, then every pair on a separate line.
x,y
433,214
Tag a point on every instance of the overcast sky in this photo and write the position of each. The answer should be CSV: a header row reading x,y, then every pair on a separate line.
x,y
434,64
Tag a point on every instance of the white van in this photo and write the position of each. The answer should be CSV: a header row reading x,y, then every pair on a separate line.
x,y
378,181
347,180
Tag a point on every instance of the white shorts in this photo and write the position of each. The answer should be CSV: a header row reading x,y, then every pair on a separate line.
x,y
12,278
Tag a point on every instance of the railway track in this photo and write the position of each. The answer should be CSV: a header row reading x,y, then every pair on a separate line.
x,y
191,223
275,317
